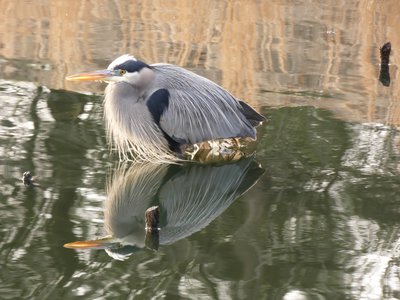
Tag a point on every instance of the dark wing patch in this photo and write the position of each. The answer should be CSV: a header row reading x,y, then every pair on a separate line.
x,y
251,115
131,66
158,103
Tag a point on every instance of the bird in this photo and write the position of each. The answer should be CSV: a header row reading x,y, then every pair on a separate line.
x,y
189,196
154,112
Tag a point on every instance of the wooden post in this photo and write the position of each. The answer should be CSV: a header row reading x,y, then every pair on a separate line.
x,y
152,220
385,53
384,75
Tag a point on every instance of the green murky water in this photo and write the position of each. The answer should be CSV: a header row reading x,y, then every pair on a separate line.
x,y
322,214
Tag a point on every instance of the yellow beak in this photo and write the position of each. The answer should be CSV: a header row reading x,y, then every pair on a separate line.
x,y
102,243
100,75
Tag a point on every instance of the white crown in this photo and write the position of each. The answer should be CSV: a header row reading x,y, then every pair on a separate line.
x,y
120,60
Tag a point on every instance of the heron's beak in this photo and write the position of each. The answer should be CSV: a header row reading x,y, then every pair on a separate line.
x,y
101,75
103,243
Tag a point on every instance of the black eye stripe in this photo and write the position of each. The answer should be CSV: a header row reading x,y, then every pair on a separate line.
x,y
131,66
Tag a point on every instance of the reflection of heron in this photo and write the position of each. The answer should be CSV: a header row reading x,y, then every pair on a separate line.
x,y
189,197
157,110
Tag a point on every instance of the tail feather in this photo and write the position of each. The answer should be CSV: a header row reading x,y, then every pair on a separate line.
x,y
252,116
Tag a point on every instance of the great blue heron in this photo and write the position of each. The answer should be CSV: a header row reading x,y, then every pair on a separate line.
x,y
153,111
189,196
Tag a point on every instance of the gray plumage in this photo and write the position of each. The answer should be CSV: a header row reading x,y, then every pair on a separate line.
x,y
190,197
199,109
151,111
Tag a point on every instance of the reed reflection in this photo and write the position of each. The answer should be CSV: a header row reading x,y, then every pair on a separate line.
x,y
189,198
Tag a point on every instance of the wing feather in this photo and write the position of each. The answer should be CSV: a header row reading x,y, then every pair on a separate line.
x,y
198,109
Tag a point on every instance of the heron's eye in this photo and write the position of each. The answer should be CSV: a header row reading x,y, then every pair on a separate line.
x,y
122,72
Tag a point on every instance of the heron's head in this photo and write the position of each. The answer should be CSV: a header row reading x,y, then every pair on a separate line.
x,y
125,68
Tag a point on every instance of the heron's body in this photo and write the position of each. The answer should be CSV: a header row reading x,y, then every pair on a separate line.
x,y
152,111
